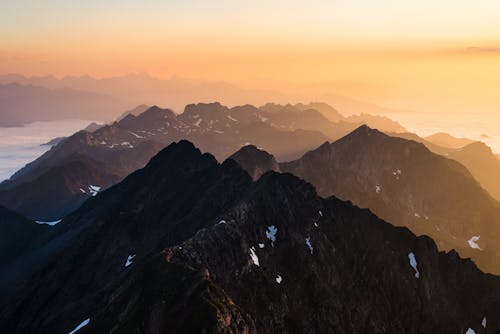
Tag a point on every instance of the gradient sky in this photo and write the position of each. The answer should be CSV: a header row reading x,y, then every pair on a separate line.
x,y
441,55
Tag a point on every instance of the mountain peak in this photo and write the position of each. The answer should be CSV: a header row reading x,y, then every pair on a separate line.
x,y
255,161
182,154
204,107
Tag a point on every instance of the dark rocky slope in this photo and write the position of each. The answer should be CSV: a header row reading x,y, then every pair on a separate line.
x,y
61,189
403,182
243,257
254,161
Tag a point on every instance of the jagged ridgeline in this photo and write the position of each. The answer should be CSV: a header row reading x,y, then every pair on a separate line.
x,y
58,182
190,245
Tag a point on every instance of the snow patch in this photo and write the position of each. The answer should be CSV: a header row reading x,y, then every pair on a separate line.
x,y
378,189
55,222
254,256
135,135
271,234
308,243
413,263
483,323
320,213
473,242
80,326
417,215
130,260
94,190
278,279
232,119
198,122
470,331
221,222
261,246
126,143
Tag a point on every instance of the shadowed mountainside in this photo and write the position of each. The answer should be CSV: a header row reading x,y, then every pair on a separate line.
x,y
190,245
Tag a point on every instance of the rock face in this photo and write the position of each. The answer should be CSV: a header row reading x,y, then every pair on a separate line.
x,y
190,245
254,161
403,182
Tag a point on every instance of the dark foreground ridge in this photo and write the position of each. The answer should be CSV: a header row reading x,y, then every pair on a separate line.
x,y
190,245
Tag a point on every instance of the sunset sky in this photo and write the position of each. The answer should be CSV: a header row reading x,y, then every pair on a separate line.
x,y
432,56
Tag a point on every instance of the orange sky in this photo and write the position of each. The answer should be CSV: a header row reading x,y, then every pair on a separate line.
x,y
406,55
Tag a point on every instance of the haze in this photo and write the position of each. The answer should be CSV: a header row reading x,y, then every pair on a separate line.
x,y
430,57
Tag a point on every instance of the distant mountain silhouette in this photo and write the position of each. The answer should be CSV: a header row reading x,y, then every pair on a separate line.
x,y
403,182
25,103
348,123
482,163
446,140
136,111
476,156
381,123
190,245
177,92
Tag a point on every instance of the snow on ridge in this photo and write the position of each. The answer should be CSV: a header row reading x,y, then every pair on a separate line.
x,y
94,190
80,326
413,263
135,135
473,242
254,256
308,243
52,223
271,233
130,260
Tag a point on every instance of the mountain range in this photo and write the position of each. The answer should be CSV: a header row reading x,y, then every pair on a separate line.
x,y
188,244
106,154
22,104
130,90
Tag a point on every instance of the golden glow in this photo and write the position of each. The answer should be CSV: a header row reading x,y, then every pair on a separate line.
x,y
436,56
